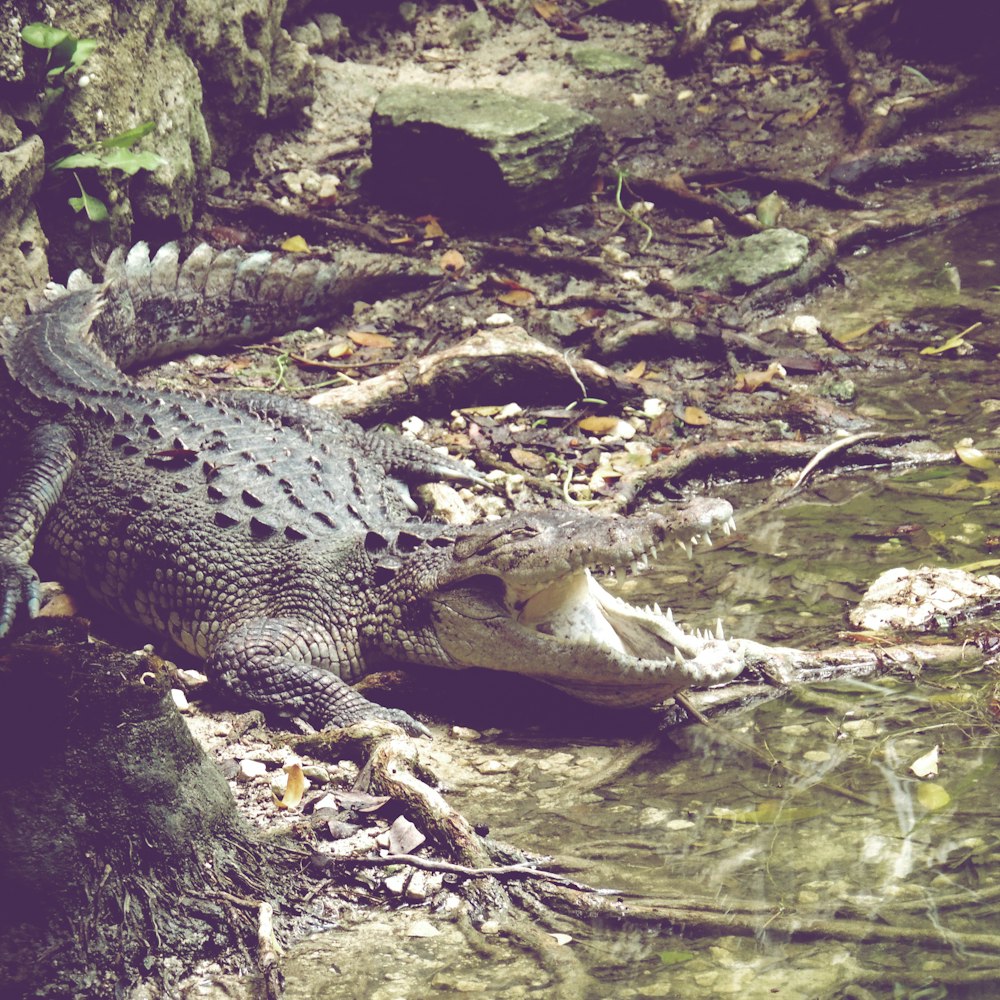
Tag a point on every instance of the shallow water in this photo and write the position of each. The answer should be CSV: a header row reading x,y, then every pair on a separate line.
x,y
799,811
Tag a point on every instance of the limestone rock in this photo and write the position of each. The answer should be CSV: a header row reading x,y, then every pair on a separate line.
x,y
207,74
480,154
602,62
750,262
23,265
921,599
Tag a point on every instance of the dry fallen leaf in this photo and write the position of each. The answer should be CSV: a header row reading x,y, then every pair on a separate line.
x,y
695,416
295,788
638,371
546,10
338,349
800,55
377,341
752,381
404,837
598,425
973,457
527,459
927,765
432,227
932,796
295,244
452,262
517,297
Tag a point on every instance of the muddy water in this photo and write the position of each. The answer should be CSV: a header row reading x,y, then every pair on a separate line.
x,y
803,811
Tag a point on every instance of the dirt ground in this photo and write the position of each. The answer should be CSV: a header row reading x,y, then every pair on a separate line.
x,y
762,121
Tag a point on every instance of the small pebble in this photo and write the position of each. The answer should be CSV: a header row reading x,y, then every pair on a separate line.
x,y
251,770
499,319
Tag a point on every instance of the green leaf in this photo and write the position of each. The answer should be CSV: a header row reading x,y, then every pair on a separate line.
x,y
130,162
675,957
770,811
43,36
94,207
129,137
949,345
75,160
82,51
932,796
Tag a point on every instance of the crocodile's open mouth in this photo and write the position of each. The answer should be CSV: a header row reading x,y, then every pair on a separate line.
x,y
572,633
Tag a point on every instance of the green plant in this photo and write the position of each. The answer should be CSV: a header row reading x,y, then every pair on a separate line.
x,y
65,54
647,229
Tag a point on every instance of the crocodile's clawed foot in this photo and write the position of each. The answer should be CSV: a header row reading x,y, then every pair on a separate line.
x,y
404,720
19,588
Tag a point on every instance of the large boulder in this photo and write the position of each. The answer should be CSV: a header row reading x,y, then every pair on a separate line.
x,y
480,154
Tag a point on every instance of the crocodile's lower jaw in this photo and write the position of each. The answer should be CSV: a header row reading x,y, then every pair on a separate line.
x,y
582,639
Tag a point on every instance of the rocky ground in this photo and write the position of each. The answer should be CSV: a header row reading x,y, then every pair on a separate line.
x,y
629,367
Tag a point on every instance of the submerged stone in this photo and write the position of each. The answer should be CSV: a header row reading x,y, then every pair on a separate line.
x,y
750,262
480,154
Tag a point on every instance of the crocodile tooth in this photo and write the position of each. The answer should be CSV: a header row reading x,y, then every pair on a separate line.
x,y
689,549
670,616
656,609
706,539
730,526
682,544
719,634
678,658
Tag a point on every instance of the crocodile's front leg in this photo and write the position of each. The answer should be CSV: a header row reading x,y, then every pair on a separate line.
x,y
50,455
263,660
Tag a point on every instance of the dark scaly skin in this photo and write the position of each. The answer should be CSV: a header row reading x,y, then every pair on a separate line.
x,y
274,540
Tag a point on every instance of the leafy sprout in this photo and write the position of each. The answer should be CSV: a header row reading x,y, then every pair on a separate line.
x,y
65,54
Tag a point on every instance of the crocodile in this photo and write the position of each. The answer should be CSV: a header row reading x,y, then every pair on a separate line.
x,y
278,542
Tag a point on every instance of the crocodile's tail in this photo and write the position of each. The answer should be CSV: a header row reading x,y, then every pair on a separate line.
x,y
158,306
53,353
150,308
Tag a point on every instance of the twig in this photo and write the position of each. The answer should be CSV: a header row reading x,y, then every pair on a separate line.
x,y
324,861
839,445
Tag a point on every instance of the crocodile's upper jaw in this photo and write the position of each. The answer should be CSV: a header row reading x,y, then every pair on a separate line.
x,y
571,633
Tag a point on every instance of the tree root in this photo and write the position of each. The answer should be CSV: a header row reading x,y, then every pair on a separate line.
x,y
674,194
483,370
749,919
692,29
763,457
